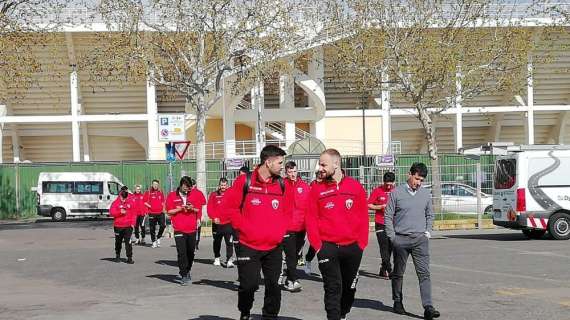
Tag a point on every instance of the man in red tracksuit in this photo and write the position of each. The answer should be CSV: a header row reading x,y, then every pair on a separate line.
x,y
199,201
377,201
221,226
295,237
154,201
259,206
184,213
337,227
141,213
124,210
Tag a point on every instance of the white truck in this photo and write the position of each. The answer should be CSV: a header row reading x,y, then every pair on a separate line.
x,y
64,194
531,190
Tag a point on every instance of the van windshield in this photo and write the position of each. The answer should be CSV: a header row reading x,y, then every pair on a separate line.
x,y
505,173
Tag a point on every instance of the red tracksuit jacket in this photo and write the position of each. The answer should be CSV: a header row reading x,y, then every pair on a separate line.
x,y
262,221
197,199
214,203
139,202
156,201
301,193
124,220
379,196
337,213
184,221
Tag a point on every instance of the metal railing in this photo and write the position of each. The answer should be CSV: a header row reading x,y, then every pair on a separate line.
x,y
247,148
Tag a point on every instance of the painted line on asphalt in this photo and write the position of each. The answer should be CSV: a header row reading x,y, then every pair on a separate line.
x,y
501,274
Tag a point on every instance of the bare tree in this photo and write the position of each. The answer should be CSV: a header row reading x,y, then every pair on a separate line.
x,y
25,25
191,47
437,53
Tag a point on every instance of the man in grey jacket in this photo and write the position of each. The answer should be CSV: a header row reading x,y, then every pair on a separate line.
x,y
408,219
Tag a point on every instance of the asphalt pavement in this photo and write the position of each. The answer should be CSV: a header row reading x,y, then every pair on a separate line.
x,y
64,271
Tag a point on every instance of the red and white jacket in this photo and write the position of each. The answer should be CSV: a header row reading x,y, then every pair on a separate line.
x,y
127,219
379,196
155,198
263,219
301,193
214,203
186,220
337,213
139,202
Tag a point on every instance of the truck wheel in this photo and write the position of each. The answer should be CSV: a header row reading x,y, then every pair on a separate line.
x,y
559,226
58,214
533,234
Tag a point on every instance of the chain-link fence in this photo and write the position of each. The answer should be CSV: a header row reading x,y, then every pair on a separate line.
x,y
465,187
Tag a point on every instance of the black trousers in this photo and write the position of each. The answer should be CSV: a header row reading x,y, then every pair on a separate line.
x,y
385,246
339,267
310,254
292,246
225,232
140,226
250,263
185,245
153,220
123,235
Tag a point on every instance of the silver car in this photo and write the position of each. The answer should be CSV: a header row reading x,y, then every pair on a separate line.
x,y
462,198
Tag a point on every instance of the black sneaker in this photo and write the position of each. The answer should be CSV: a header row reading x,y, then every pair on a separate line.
x,y
130,261
244,316
117,258
430,313
399,308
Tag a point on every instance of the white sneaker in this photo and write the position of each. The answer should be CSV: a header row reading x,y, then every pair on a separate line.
x,y
282,280
307,268
136,241
158,243
293,286
217,262
230,263
154,245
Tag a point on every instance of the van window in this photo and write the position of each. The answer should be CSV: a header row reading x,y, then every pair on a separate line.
x,y
88,187
57,186
505,173
113,188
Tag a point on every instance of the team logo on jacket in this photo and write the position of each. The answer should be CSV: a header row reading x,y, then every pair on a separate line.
x,y
300,190
275,204
348,203
329,205
255,201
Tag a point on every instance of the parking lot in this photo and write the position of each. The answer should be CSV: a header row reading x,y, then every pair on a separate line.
x,y
64,271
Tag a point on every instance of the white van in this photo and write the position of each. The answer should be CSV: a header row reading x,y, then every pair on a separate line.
x,y
531,190
66,194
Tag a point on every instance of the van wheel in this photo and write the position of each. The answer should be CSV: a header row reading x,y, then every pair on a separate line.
x,y
559,226
533,234
488,210
58,214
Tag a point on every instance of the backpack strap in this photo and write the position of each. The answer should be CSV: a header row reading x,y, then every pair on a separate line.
x,y
281,184
245,189
248,183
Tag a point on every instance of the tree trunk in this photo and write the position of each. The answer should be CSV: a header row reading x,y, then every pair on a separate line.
x,y
201,177
427,124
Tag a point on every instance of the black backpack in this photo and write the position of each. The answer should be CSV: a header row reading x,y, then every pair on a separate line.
x,y
248,183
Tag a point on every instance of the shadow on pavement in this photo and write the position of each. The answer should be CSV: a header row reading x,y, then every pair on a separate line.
x,y
493,237
204,261
172,278
223,284
171,263
313,277
378,305
113,260
210,318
